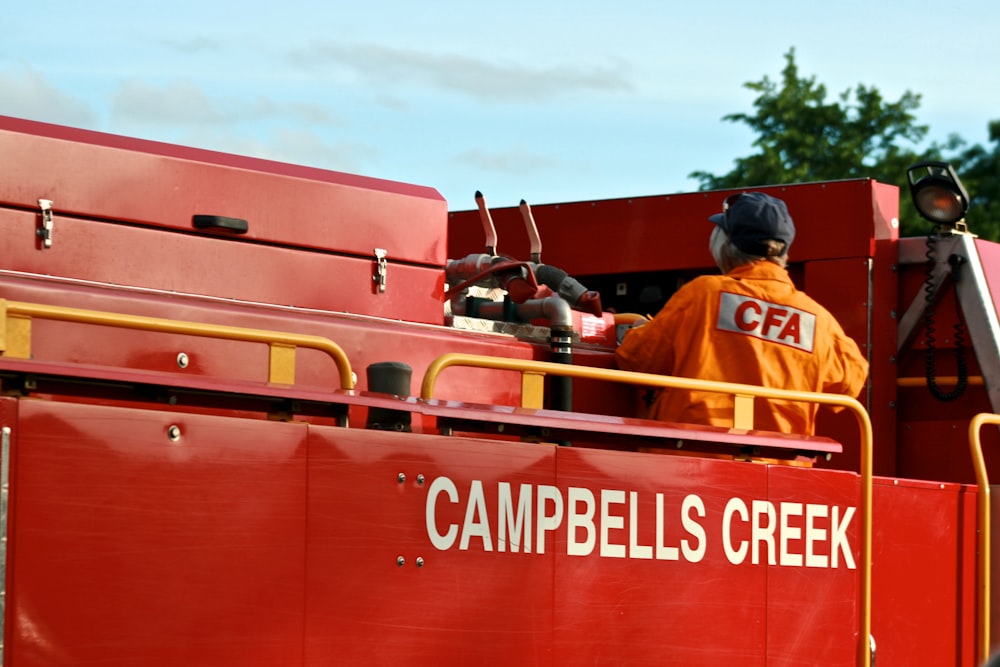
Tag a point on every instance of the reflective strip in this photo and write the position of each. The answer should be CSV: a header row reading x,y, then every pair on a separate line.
x,y
768,321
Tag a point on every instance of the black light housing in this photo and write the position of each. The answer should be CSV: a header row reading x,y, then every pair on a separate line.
x,y
938,193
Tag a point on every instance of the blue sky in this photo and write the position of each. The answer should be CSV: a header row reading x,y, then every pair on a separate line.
x,y
550,102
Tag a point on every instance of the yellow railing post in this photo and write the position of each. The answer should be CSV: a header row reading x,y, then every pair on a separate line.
x,y
983,521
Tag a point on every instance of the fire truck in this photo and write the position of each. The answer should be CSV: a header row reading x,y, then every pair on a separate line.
x,y
255,413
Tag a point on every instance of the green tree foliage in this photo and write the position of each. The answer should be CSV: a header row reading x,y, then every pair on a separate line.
x,y
979,169
803,136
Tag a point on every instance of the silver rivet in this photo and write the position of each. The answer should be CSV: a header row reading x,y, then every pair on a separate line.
x,y
182,360
420,480
401,477
400,561
420,561
174,433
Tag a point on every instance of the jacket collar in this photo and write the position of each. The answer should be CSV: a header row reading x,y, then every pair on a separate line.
x,y
760,270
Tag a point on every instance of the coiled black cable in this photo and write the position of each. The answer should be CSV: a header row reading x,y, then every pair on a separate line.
x,y
930,355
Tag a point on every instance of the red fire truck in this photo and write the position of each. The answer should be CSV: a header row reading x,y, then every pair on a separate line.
x,y
262,414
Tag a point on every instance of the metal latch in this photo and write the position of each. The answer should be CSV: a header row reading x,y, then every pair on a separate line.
x,y
45,225
381,267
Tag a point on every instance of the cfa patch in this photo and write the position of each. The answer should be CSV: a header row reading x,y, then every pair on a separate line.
x,y
768,321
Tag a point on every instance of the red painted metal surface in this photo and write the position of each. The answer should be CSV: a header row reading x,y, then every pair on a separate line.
x,y
844,287
605,430
224,268
635,611
621,236
113,178
799,631
924,573
231,544
134,548
461,607
619,594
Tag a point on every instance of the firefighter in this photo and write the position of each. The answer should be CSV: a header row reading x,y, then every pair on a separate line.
x,y
749,325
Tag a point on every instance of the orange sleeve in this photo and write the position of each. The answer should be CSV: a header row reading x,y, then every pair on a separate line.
x,y
650,348
847,368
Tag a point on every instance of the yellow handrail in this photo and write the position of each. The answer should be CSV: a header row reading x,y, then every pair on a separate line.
x,y
744,395
15,335
947,380
983,527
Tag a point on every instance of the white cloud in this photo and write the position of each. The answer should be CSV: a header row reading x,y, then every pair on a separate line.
x,y
183,103
474,77
174,104
314,114
515,161
27,94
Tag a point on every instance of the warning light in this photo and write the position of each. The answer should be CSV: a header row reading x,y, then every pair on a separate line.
x,y
938,193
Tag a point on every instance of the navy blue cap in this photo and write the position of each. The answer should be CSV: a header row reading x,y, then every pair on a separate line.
x,y
751,219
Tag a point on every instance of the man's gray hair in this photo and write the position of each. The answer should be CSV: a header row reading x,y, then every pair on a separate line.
x,y
727,256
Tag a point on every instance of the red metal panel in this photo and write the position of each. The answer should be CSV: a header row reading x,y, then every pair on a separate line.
x,y
633,610
642,611
813,611
152,259
923,575
234,543
131,548
486,601
844,287
116,178
656,233
939,449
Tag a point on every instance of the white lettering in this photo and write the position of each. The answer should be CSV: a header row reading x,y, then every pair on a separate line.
x,y
636,550
761,532
838,537
609,521
814,535
754,531
694,529
439,485
548,522
473,527
734,506
576,521
789,533
663,552
519,524
742,314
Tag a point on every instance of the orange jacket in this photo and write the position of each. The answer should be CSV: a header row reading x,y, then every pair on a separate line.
x,y
750,326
